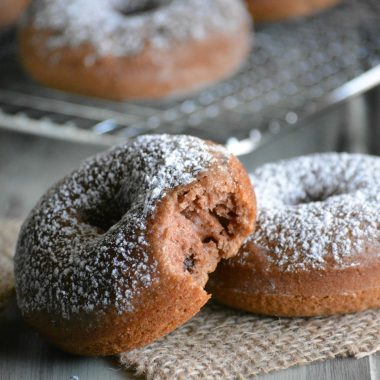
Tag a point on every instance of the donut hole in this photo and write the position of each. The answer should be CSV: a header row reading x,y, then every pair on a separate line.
x,y
200,225
318,196
136,7
104,216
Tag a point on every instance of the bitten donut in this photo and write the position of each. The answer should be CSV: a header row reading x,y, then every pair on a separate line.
x,y
119,49
316,247
10,10
274,10
117,253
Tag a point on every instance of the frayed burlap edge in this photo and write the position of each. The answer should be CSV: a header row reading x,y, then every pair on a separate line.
x,y
222,343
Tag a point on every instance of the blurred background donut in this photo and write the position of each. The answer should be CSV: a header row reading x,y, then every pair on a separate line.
x,y
10,10
274,10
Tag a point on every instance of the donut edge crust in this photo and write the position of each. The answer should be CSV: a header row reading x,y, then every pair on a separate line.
x,y
153,73
263,288
277,10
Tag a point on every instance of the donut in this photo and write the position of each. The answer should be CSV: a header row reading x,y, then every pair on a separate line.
x,y
316,247
275,10
117,253
130,49
10,10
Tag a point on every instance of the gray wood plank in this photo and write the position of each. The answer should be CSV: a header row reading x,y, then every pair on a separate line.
x,y
340,369
24,355
374,361
336,369
294,373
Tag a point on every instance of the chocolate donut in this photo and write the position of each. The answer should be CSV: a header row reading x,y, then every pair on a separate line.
x,y
10,10
120,49
116,254
274,10
316,247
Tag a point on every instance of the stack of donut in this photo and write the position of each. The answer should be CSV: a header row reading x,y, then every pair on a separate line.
x,y
117,253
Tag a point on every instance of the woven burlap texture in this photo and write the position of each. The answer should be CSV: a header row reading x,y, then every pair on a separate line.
x,y
220,343
223,343
8,236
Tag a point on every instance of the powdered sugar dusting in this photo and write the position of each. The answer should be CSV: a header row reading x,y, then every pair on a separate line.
x,y
318,209
103,25
84,247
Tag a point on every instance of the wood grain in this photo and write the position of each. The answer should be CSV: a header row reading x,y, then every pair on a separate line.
x,y
24,355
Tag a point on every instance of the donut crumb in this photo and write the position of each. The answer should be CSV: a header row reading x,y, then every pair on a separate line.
x,y
201,226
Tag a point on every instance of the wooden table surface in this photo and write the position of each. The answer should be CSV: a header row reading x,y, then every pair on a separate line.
x,y
28,166
24,355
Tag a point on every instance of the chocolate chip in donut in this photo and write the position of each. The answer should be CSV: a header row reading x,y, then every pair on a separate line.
x,y
117,253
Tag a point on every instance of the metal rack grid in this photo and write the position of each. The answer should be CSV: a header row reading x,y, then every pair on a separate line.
x,y
292,72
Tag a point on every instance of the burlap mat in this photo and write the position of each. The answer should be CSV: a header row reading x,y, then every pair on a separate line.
x,y
8,236
220,343
223,343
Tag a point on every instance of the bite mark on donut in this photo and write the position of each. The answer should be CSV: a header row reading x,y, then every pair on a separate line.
x,y
202,225
211,221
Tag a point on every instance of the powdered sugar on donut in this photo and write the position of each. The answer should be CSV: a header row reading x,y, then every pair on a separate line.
x,y
116,27
84,247
318,209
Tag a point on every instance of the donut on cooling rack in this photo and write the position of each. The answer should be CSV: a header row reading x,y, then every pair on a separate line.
x,y
117,253
125,49
274,10
10,10
316,247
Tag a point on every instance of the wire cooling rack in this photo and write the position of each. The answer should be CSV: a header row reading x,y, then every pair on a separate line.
x,y
293,68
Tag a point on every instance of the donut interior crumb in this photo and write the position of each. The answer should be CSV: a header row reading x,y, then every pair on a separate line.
x,y
202,227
